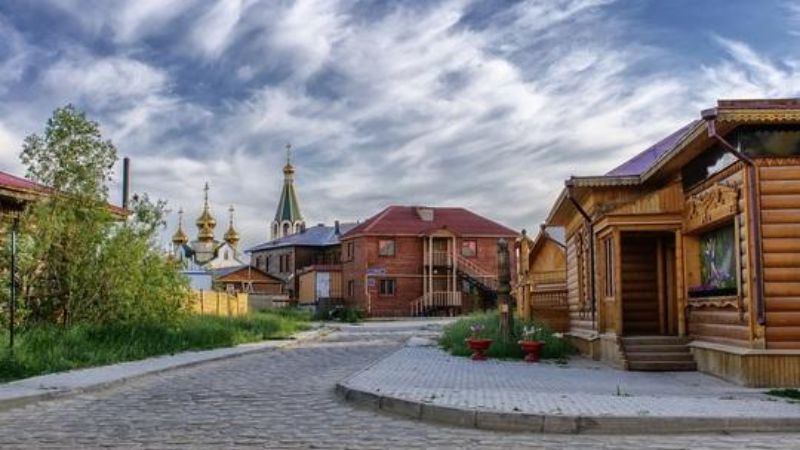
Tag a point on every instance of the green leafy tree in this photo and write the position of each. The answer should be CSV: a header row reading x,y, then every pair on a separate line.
x,y
78,262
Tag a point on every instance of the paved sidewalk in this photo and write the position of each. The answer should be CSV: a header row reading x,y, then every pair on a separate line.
x,y
425,382
64,384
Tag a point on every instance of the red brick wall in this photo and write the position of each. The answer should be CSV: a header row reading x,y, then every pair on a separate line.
x,y
406,267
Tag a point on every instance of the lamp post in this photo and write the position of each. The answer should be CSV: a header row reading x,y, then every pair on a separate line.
x,y
12,301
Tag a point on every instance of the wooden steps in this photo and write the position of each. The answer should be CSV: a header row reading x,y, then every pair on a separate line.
x,y
657,353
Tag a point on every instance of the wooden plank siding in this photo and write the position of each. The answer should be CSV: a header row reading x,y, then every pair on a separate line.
x,y
780,218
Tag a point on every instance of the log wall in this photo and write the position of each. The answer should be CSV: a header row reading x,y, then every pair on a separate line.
x,y
725,322
579,320
640,313
780,219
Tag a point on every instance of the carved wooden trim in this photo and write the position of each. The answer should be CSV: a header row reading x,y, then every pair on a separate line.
x,y
759,115
716,302
716,204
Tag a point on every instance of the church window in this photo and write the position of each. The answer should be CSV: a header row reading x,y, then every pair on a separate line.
x,y
286,229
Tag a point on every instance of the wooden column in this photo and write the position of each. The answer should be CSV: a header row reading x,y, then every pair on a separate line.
x,y
618,295
660,279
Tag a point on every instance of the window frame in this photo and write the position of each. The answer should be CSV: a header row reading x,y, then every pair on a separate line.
x,y
466,241
609,286
380,248
387,282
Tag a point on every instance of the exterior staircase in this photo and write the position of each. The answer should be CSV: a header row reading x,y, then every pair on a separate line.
x,y
437,303
657,353
476,275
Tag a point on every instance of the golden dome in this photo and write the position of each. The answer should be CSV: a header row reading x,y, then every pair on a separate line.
x,y
180,237
231,236
288,169
206,222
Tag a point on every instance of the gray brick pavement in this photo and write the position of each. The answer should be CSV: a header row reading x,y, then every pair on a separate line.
x,y
284,399
581,388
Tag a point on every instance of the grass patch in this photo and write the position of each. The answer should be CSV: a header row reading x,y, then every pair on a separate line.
x,y
790,393
48,348
454,335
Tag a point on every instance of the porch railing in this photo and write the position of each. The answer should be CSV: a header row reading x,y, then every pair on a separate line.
x,y
434,300
440,258
477,272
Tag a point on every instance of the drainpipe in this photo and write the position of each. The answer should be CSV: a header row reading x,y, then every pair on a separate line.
x,y
590,227
710,116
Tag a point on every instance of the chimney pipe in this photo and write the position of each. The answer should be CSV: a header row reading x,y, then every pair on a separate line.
x,y
126,181
336,229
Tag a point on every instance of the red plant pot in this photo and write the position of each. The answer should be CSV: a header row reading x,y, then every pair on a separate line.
x,y
532,349
479,347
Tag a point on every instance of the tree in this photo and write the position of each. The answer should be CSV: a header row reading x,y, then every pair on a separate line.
x,y
79,263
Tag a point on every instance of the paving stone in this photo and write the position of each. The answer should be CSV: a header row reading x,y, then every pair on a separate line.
x,y
285,400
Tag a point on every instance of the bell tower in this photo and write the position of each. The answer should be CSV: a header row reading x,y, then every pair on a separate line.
x,y
288,219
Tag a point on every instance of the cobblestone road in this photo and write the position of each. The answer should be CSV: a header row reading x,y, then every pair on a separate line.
x,y
284,399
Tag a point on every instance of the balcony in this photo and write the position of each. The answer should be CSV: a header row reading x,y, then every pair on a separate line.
x,y
439,259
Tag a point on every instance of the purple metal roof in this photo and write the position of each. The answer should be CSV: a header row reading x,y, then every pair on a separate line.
x,y
640,163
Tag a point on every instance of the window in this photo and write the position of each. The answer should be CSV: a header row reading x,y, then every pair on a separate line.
x,y
772,140
387,287
386,247
266,263
710,162
717,263
608,278
350,251
226,255
286,228
351,288
469,248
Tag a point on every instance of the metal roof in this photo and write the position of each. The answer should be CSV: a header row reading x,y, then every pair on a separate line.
x,y
317,236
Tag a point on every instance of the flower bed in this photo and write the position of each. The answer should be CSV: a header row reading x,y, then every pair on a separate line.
x,y
454,336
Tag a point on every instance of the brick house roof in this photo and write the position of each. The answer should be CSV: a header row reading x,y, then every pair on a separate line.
x,y
407,220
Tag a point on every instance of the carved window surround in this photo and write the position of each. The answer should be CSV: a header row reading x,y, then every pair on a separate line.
x,y
715,205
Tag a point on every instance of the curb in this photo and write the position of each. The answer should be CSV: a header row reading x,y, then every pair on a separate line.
x,y
57,394
557,424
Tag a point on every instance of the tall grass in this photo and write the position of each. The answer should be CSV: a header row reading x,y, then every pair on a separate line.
x,y
48,348
454,336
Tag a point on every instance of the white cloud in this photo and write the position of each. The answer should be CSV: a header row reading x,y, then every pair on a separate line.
x,y
408,103
104,82
215,29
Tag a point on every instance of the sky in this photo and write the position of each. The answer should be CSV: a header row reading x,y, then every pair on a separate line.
x,y
488,105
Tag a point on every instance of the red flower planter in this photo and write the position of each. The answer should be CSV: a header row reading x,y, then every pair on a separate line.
x,y
479,347
532,349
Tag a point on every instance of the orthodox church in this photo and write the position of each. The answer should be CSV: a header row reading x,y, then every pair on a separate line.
x,y
206,252
288,219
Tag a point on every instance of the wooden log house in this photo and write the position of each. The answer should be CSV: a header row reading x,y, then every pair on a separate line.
x,y
688,255
541,290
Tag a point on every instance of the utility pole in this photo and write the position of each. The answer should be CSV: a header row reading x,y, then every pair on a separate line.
x,y
504,290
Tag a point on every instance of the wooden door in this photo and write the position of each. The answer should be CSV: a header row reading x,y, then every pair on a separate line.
x,y
640,285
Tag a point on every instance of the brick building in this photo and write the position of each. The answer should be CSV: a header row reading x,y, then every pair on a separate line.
x,y
421,261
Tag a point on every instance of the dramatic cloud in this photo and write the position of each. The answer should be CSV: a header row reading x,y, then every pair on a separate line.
x,y
480,104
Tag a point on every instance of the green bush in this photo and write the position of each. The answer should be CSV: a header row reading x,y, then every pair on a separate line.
x,y
454,338
46,348
346,314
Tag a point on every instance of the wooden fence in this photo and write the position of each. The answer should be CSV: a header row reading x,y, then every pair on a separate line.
x,y
219,303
